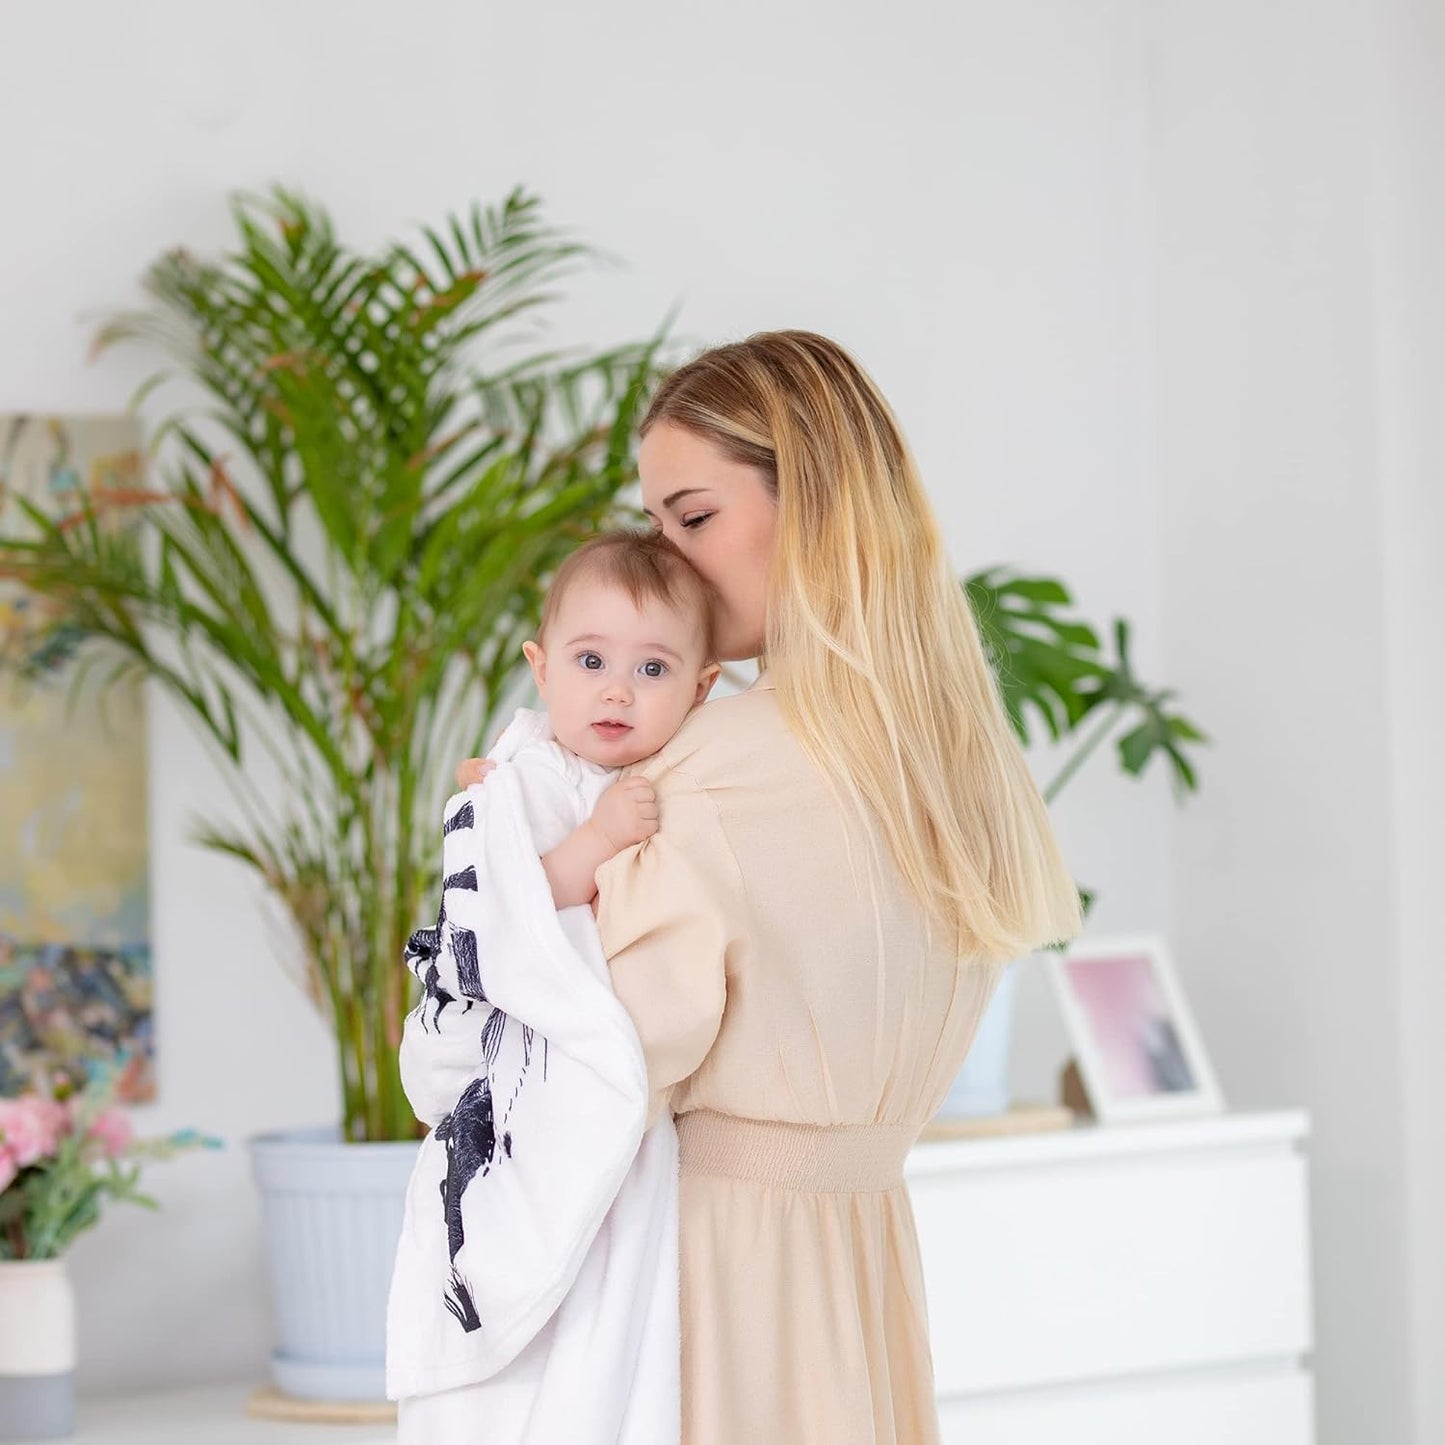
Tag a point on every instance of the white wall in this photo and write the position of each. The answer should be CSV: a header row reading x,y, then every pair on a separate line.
x,y
1409,202
1154,288
1297,227
957,192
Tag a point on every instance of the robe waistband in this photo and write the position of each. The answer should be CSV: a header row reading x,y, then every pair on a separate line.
x,y
814,1158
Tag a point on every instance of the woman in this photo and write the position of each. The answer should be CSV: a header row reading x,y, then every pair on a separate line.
x,y
845,854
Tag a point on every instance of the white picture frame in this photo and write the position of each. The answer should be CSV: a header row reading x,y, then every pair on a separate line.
x,y
1138,1048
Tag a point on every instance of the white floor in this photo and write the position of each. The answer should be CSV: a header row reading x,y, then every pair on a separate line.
x,y
213,1415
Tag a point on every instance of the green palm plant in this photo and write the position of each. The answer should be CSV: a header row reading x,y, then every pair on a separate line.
x,y
345,541
341,548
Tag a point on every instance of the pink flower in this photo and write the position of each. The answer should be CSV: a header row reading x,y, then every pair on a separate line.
x,y
31,1127
8,1169
114,1132
54,1115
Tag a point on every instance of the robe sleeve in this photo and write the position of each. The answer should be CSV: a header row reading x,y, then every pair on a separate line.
x,y
671,912
442,1037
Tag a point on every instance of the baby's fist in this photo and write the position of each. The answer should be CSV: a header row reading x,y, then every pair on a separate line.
x,y
474,770
626,813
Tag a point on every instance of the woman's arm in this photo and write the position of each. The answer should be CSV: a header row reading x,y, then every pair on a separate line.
x,y
672,914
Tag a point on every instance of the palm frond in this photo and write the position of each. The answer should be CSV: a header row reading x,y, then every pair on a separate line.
x,y
341,546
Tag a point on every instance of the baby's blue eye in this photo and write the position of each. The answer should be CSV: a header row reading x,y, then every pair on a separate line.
x,y
592,661
654,669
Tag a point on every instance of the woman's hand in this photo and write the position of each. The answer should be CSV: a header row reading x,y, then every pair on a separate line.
x,y
474,770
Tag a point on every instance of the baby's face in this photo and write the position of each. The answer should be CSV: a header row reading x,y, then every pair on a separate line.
x,y
618,679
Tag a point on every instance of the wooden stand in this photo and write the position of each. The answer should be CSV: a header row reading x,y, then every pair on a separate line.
x,y
269,1403
1073,1091
1020,1119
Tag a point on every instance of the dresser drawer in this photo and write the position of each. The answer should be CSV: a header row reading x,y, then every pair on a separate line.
x,y
1273,1407
1106,1264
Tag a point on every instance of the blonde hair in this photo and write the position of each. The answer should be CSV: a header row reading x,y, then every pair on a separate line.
x,y
644,565
871,644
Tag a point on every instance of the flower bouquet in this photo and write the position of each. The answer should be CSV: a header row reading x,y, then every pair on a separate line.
x,y
63,1153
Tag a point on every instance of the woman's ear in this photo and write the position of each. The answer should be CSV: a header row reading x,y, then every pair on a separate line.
x,y
705,680
537,661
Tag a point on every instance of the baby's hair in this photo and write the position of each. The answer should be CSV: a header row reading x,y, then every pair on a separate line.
x,y
646,566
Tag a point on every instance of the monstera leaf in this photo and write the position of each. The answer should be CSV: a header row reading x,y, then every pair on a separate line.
x,y
1053,671
1043,658
1157,728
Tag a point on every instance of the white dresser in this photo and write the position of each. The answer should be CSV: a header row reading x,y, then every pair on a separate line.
x,y
1101,1286
1122,1285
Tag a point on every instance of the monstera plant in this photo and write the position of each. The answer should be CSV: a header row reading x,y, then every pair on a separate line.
x,y
367,469
1054,672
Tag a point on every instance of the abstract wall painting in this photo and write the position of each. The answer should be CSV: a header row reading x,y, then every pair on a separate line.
x,y
75,954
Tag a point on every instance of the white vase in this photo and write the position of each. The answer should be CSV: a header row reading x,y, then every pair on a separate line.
x,y
37,1350
981,1086
332,1213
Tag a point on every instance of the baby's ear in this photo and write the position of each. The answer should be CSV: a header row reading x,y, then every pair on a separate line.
x,y
537,660
705,680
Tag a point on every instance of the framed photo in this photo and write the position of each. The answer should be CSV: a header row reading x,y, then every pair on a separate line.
x,y
1139,1052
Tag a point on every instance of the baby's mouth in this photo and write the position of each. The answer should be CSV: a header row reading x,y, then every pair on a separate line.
x,y
610,728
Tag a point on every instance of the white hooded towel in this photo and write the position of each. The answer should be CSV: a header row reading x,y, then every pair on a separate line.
x,y
538,1257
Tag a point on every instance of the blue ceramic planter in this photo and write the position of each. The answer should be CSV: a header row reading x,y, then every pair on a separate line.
x,y
332,1213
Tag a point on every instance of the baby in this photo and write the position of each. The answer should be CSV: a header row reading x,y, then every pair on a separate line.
x,y
623,654
556,1159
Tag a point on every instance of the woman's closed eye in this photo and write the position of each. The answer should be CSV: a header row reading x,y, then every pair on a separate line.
x,y
693,520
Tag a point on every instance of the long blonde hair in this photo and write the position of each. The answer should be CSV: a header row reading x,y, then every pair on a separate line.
x,y
871,645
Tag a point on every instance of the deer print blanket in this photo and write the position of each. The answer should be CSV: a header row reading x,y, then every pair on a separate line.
x,y
538,1255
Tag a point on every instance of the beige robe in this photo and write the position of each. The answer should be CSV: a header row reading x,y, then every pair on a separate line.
x,y
770,981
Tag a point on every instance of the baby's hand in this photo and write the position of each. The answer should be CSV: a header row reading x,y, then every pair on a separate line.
x,y
474,770
626,813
